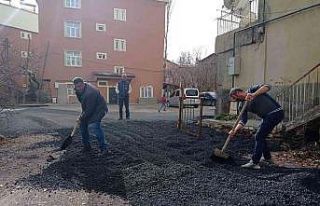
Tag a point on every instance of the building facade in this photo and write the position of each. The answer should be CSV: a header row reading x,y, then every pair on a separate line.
x,y
277,46
99,40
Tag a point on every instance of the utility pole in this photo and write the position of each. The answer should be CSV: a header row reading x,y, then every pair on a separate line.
x,y
26,71
43,70
168,13
250,2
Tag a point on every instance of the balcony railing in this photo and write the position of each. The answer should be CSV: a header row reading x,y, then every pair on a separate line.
x,y
240,15
228,21
301,99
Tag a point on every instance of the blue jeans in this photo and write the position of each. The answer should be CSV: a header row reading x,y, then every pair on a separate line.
x,y
95,128
162,106
266,127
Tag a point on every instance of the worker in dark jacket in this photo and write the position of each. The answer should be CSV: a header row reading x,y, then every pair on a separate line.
x,y
94,109
263,105
123,90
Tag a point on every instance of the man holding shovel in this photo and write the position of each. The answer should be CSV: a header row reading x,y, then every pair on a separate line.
x,y
263,105
93,108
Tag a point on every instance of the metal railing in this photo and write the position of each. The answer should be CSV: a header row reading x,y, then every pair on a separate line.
x,y
301,99
190,118
228,21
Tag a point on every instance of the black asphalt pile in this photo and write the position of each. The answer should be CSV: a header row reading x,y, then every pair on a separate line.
x,y
153,163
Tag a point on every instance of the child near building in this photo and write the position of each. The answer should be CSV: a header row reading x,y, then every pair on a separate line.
x,y
162,103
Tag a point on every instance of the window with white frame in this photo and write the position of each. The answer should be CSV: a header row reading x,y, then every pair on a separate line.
x,y
72,29
102,83
120,14
120,45
101,27
74,4
70,89
24,54
118,69
25,35
72,58
101,55
146,92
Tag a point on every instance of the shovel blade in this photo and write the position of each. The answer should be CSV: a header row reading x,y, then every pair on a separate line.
x,y
66,143
217,153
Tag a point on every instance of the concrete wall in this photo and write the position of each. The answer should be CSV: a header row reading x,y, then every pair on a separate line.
x,y
287,49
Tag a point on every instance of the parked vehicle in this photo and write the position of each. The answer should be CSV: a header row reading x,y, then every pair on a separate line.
x,y
210,98
190,97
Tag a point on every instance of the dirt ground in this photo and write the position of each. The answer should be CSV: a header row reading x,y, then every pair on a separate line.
x,y
152,163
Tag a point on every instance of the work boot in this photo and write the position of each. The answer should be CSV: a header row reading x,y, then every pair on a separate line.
x,y
269,160
105,152
251,165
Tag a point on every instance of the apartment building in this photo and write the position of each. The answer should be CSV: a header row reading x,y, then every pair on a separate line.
x,y
99,40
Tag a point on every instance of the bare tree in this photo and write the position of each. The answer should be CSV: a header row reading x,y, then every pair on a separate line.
x,y
18,72
193,72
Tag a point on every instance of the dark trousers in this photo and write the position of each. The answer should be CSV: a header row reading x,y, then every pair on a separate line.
x,y
125,101
266,127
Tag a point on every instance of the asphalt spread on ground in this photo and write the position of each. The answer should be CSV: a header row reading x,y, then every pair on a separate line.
x,y
153,163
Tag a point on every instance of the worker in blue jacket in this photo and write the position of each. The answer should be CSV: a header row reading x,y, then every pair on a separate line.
x,y
123,90
263,105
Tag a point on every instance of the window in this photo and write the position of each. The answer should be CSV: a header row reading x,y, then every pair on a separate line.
x,y
25,35
72,29
146,92
101,27
24,54
70,89
73,58
119,69
74,4
119,14
101,55
102,83
119,44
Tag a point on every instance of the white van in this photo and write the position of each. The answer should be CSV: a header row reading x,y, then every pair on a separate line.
x,y
190,97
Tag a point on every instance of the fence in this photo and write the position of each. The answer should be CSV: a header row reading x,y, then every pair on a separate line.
x,y
190,117
300,100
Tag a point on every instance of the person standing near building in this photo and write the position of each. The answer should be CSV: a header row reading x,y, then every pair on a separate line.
x,y
94,108
263,105
123,90
163,103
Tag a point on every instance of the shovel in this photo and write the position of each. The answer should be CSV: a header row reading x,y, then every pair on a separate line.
x,y
220,154
66,143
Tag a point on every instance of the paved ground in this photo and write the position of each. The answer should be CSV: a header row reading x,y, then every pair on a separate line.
x,y
151,163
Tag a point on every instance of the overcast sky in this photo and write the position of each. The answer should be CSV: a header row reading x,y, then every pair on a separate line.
x,y
192,27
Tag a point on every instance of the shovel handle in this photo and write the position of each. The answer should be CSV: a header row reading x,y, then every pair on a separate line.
x,y
235,125
74,129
